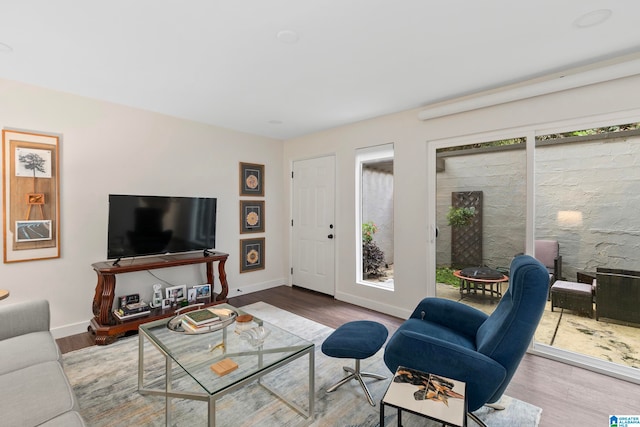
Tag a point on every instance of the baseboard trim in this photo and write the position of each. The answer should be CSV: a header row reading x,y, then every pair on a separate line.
x,y
254,287
70,329
391,310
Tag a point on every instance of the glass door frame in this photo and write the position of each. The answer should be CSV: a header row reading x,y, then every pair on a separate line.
x,y
530,133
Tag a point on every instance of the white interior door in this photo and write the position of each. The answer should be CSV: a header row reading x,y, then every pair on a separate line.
x,y
313,225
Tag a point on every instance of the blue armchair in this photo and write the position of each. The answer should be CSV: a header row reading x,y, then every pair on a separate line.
x,y
454,340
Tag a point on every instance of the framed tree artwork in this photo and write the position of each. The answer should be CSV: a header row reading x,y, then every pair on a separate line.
x,y
251,179
251,255
251,216
31,203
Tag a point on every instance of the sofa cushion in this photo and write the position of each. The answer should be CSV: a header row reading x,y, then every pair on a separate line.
x,y
68,419
26,350
35,395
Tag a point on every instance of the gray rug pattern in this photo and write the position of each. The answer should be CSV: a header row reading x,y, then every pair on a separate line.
x,y
105,381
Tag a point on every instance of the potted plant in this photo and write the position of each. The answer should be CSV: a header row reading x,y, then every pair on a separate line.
x,y
372,255
459,217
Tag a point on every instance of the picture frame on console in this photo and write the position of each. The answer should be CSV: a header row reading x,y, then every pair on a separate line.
x,y
31,216
176,293
251,179
191,295
202,292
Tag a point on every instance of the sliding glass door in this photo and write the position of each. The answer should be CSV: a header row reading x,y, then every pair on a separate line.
x,y
578,188
480,217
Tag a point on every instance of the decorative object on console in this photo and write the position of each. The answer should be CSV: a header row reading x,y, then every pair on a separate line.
x,y
128,299
32,203
251,216
251,254
203,292
156,300
251,179
191,295
176,293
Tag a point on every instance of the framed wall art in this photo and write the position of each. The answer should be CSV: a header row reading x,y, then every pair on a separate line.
x,y
251,179
251,254
251,216
31,196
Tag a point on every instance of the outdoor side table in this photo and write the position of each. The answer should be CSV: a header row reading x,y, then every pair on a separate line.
x,y
431,396
491,285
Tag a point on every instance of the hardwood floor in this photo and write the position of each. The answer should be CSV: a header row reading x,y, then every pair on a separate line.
x,y
568,395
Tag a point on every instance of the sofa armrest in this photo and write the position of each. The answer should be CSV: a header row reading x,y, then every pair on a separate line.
x,y
452,314
23,318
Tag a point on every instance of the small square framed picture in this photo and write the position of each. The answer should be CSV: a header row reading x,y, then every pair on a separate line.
x,y
251,179
202,291
176,293
251,255
251,216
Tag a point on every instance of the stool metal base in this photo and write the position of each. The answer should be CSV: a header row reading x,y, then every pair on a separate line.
x,y
358,375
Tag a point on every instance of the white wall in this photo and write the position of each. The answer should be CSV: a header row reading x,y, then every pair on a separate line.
x,y
107,148
410,137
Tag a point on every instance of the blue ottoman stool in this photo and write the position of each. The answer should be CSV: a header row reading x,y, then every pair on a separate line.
x,y
356,340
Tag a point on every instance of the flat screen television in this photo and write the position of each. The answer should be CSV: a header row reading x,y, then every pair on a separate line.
x,y
149,225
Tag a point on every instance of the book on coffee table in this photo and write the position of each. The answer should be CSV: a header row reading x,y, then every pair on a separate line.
x,y
201,317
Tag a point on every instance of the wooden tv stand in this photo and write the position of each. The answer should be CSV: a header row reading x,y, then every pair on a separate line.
x,y
107,328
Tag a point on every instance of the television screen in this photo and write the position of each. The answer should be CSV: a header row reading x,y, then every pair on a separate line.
x,y
147,225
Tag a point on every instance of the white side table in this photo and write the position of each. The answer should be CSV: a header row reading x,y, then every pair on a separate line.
x,y
431,396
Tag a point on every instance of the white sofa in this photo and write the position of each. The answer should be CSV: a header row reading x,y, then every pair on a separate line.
x,y
34,390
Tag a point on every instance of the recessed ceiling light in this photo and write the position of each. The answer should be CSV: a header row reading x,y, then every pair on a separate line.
x,y
593,18
275,122
5,48
287,36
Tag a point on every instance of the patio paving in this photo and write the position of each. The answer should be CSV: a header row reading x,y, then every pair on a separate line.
x,y
563,329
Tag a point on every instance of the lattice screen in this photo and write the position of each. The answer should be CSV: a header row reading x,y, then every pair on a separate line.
x,y
466,241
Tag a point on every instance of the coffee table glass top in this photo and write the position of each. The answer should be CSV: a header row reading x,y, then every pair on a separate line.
x,y
196,353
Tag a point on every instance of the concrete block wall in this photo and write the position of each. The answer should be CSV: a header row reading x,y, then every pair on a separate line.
x,y
377,206
598,181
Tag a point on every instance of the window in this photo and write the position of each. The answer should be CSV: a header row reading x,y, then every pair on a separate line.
x,y
374,215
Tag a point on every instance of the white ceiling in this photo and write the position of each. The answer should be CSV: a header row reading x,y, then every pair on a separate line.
x,y
222,63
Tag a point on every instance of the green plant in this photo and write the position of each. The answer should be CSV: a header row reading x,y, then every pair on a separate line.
x,y
368,230
445,275
372,259
458,217
372,255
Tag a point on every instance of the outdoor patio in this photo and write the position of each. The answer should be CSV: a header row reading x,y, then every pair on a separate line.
x,y
563,329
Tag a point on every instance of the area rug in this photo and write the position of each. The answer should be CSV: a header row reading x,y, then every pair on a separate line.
x,y
105,381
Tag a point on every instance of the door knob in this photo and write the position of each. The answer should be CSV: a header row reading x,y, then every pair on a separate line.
x,y
330,236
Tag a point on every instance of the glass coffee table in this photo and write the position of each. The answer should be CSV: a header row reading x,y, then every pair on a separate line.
x,y
196,353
